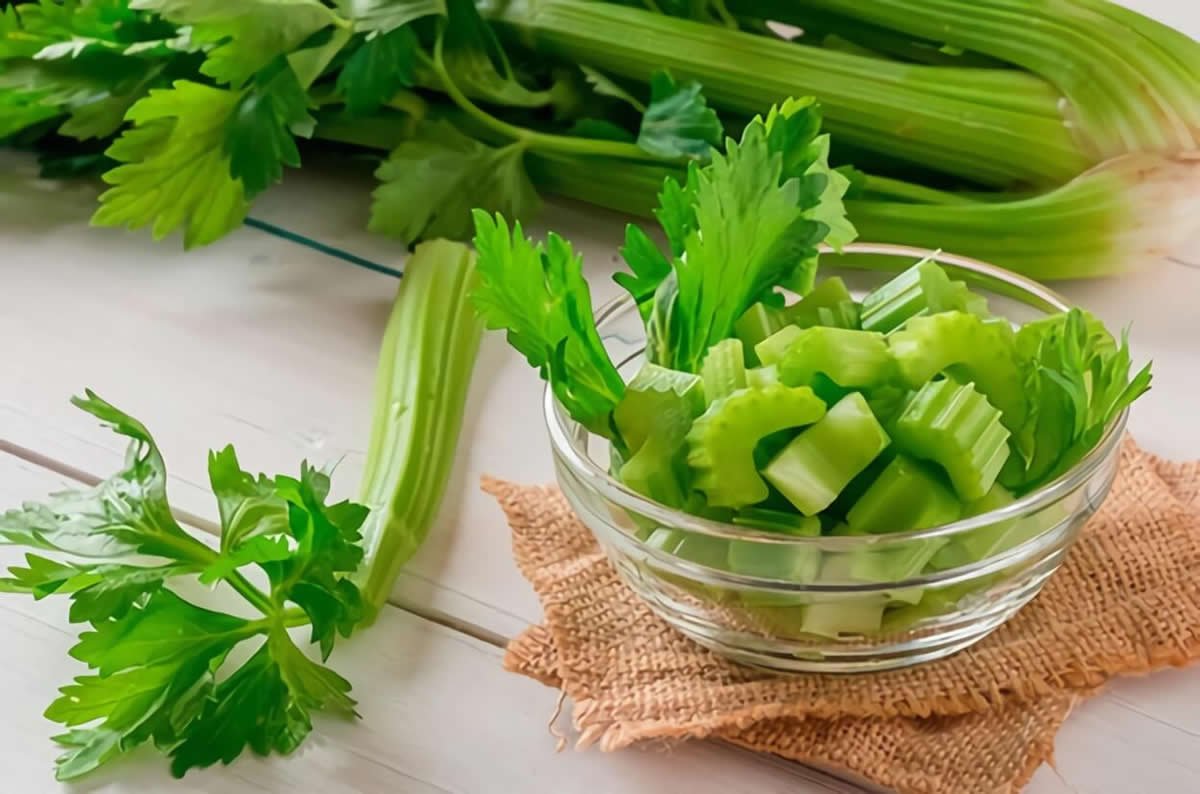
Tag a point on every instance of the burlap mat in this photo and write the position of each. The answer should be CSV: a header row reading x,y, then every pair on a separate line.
x,y
1124,602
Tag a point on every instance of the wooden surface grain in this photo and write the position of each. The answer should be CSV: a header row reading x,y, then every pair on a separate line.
x,y
271,345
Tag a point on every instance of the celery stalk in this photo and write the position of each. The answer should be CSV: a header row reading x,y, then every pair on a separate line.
x,y
812,470
1128,211
429,349
1126,92
658,399
771,350
994,126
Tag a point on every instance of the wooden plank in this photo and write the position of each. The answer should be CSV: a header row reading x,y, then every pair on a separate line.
x,y
439,715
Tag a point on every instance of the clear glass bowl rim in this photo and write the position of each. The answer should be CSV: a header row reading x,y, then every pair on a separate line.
x,y
597,478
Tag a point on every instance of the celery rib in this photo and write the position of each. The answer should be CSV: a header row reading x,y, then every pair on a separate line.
x,y
899,108
429,349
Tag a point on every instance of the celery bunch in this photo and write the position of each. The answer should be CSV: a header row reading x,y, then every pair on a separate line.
x,y
1056,139
167,668
821,415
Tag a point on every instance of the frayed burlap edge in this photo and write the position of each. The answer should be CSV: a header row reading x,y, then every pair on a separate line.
x,y
600,724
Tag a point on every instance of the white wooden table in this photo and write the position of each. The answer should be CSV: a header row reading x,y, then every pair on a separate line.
x,y
271,345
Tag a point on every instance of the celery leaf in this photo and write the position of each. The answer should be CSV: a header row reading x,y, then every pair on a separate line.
x,y
539,295
246,35
431,183
380,67
259,135
678,123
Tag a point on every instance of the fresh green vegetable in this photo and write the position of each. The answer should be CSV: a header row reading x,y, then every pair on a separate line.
x,y
812,470
724,370
838,430
721,443
956,427
602,101
853,359
166,667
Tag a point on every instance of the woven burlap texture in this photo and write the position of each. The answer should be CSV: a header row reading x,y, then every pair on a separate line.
x,y
1124,602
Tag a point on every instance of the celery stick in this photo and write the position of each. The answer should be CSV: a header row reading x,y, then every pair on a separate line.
x,y
853,359
723,370
721,443
772,349
982,352
828,294
778,521
978,544
956,427
428,352
812,470
758,323
657,469
759,377
658,399
863,615
905,496
922,289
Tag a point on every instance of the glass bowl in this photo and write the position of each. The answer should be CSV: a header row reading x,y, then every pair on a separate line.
x,y
833,603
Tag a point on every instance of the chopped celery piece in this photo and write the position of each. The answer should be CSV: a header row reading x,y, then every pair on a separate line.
x,y
721,442
778,521
844,315
978,544
703,550
663,539
759,322
956,427
862,615
759,377
973,350
723,370
922,289
905,496
700,549
854,359
828,295
772,349
656,399
785,563
812,470
657,470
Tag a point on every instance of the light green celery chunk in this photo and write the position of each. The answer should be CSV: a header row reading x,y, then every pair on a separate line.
x,y
663,539
978,544
852,359
721,442
703,550
843,315
658,399
924,288
759,322
656,470
758,377
778,521
972,350
906,496
785,563
814,468
828,295
772,349
956,427
850,616
724,370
